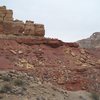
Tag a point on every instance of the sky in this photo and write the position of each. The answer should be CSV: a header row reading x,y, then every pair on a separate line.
x,y
67,20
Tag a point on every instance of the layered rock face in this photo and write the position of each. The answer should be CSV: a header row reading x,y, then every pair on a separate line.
x,y
28,33
92,42
8,26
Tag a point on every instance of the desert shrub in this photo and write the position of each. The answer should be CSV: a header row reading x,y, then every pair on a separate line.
x,y
40,98
95,96
6,78
18,82
5,88
1,97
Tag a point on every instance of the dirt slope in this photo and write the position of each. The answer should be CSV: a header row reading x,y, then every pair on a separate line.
x,y
67,66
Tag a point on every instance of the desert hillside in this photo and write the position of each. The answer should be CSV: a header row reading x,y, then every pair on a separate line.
x,y
15,85
25,49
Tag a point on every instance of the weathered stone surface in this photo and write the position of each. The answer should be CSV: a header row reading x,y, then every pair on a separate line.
x,y
2,13
8,15
1,27
29,28
37,41
39,30
76,45
92,42
8,26
18,27
61,80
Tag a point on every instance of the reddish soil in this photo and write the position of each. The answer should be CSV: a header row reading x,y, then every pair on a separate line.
x,y
62,64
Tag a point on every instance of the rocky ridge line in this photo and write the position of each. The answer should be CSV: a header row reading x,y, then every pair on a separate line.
x,y
92,42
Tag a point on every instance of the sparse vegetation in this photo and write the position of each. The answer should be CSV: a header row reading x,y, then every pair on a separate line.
x,y
5,88
6,78
40,98
95,96
18,82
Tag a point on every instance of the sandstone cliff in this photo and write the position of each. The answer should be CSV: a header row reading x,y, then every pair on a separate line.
x,y
28,33
8,26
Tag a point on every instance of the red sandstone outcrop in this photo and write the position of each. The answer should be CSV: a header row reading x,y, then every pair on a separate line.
x,y
37,41
75,45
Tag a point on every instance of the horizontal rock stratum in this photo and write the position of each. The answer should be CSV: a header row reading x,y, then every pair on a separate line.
x,y
28,33
8,26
